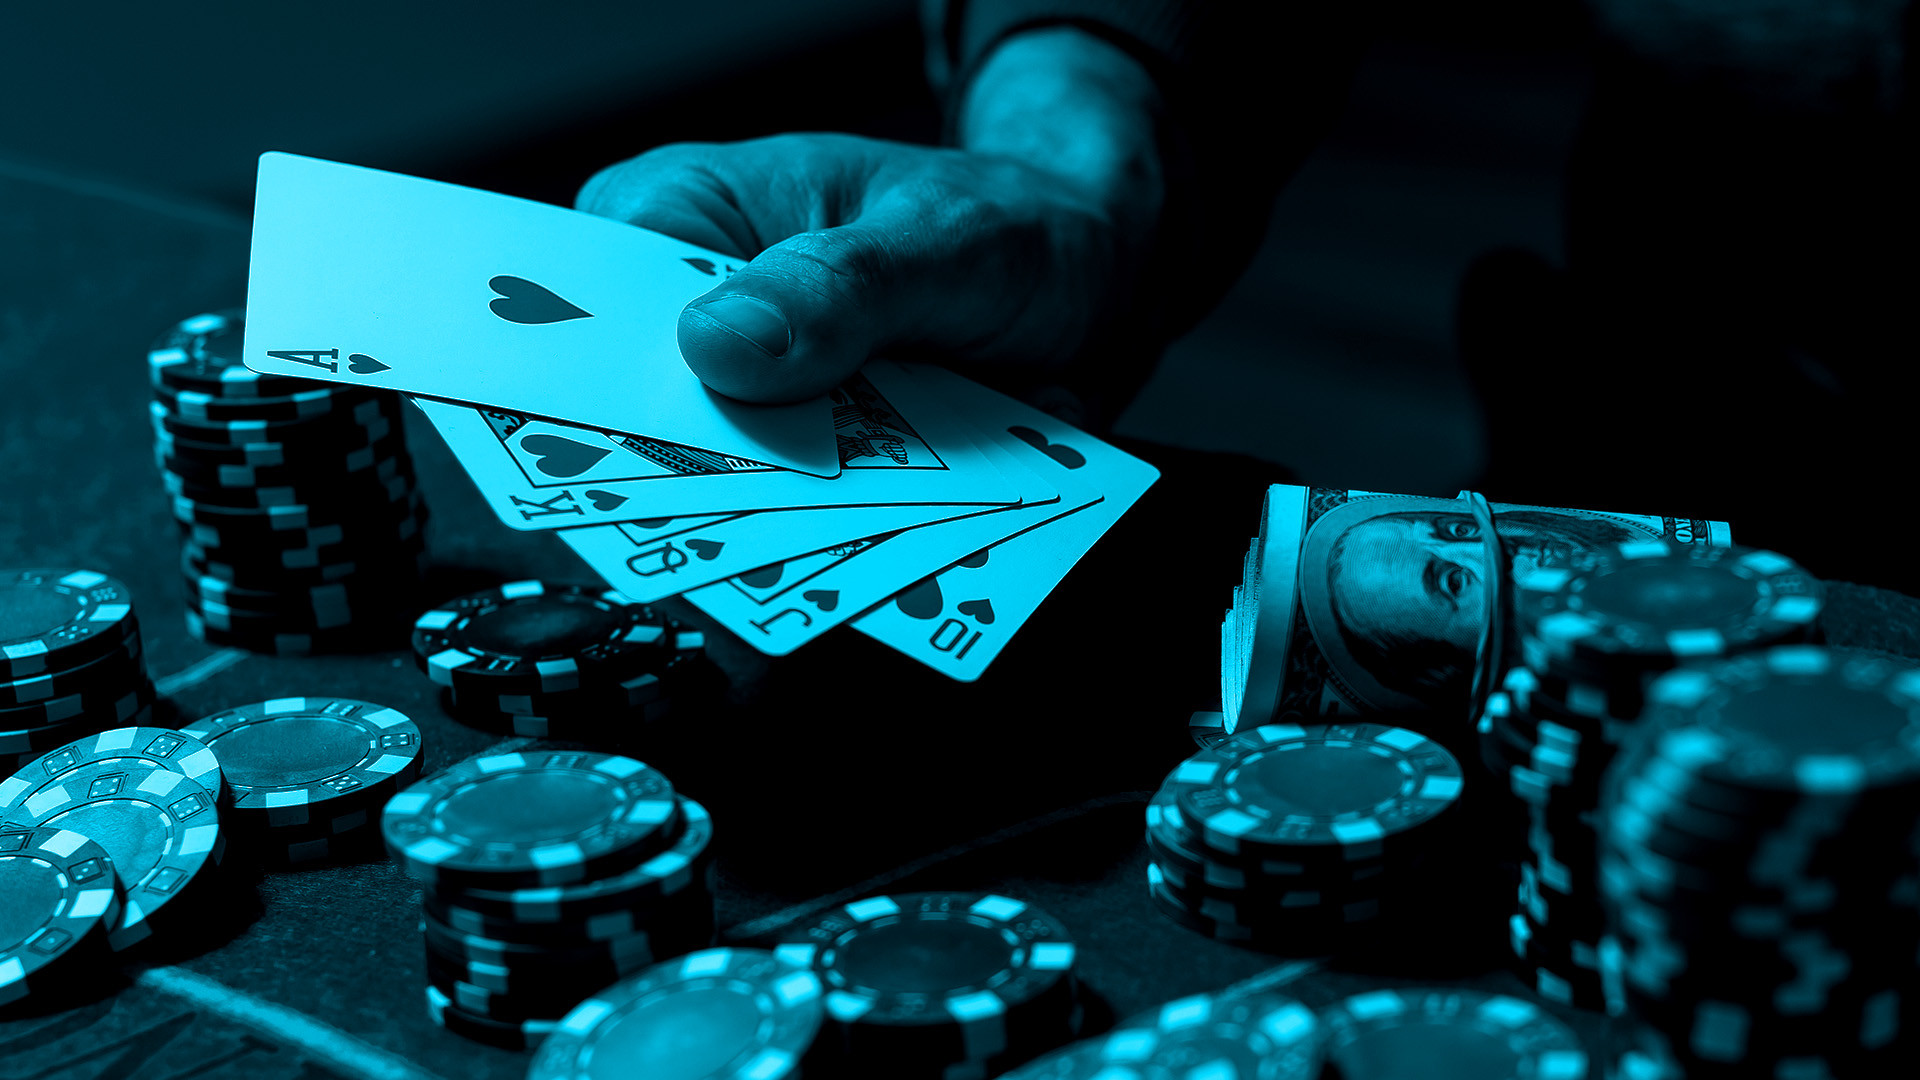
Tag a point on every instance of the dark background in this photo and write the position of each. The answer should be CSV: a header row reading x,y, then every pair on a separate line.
x,y
1334,355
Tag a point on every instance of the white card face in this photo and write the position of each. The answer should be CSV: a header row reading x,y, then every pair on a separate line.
x,y
777,609
654,559
900,444
957,621
379,279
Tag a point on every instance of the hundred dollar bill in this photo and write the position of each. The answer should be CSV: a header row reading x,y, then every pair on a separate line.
x,y
1359,602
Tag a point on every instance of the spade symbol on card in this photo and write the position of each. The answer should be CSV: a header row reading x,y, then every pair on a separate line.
x,y
361,364
706,549
705,266
530,304
557,456
764,577
824,599
980,610
1065,455
604,500
920,600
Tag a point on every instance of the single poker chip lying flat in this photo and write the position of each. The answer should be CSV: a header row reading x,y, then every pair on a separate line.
x,y
716,1014
531,818
119,668
1651,601
957,977
54,619
161,830
1444,1033
58,891
165,747
505,1034
1262,1034
529,637
298,761
1342,789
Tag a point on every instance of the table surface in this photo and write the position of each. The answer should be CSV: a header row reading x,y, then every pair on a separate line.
x,y
839,772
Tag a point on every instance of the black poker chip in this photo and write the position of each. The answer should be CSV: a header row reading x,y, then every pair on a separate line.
x,y
369,420
380,461
300,405
203,353
121,667
1447,1032
346,495
533,637
61,896
305,762
932,981
54,619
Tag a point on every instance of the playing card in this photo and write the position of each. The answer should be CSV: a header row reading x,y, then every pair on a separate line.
x,y
958,620
654,559
898,444
778,608
379,279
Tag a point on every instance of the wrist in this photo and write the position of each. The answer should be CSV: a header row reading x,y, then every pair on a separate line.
x,y
1067,103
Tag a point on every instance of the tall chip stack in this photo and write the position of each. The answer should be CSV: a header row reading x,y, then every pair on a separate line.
x,y
937,985
547,876
1293,837
549,660
1592,641
303,529
1760,860
70,660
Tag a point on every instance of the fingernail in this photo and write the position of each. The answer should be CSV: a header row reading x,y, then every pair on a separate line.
x,y
755,320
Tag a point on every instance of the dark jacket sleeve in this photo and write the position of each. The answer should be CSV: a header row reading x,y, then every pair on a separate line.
x,y
1250,88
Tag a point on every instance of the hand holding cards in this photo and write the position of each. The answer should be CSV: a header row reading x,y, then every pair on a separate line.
x,y
931,512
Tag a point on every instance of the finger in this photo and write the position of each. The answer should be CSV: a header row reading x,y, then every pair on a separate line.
x,y
805,313
666,191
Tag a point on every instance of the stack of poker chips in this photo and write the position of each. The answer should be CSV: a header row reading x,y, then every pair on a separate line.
x,y
70,661
1761,871
296,498
309,775
1593,640
737,1012
561,661
548,875
1287,836
150,799
1227,1034
953,985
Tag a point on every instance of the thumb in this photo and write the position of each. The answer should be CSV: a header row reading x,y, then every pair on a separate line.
x,y
803,315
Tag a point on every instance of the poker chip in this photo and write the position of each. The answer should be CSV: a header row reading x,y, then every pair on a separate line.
x,y
937,981
119,667
1648,605
1755,827
93,709
163,747
1343,790
59,893
1227,1034
529,819
306,769
715,1014
533,637
280,485
1449,1034
204,353
505,1034
160,829
54,619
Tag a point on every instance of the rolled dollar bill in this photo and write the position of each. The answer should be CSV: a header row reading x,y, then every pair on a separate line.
x,y
1354,602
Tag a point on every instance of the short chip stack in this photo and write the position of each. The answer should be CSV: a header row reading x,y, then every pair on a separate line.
x,y
1593,640
1760,869
296,498
1446,1032
309,775
953,985
150,799
1229,1034
1288,836
561,661
548,875
70,660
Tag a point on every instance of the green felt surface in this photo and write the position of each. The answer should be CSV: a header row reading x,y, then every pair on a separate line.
x,y
842,770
